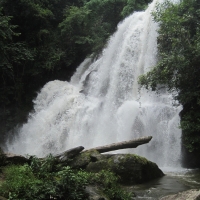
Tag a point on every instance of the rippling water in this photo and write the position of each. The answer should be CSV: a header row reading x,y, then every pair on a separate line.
x,y
172,183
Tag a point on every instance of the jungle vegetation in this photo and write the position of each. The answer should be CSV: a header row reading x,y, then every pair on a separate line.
x,y
178,67
44,40
46,179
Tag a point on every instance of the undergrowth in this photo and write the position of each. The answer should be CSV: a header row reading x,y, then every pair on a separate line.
x,y
45,179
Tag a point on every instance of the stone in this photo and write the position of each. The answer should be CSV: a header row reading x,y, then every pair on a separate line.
x,y
14,159
2,198
71,153
82,160
2,157
192,194
94,193
131,168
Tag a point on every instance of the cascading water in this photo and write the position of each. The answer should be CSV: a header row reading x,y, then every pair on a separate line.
x,y
102,103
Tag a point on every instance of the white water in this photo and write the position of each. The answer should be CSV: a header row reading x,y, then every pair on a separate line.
x,y
102,105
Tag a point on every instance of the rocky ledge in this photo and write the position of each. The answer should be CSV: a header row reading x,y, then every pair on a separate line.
x,y
131,168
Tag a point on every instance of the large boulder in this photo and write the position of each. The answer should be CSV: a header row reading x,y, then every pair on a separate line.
x,y
130,168
9,158
14,159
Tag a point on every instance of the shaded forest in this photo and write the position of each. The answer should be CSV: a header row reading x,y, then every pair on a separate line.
x,y
178,68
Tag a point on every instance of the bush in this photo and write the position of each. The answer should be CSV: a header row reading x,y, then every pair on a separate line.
x,y
41,180
46,179
109,185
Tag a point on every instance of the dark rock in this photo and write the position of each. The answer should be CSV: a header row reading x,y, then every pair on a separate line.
x,y
131,168
2,157
82,160
2,198
193,194
71,153
15,159
94,193
9,158
1,151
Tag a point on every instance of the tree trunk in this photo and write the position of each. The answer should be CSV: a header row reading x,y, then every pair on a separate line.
x,y
122,145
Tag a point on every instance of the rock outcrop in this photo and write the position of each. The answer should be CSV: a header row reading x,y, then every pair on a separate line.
x,y
94,193
71,153
192,194
10,158
131,168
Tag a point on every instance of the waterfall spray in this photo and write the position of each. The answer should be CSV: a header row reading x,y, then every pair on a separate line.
x,y
102,103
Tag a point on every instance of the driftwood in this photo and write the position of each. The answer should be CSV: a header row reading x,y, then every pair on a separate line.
x,y
122,145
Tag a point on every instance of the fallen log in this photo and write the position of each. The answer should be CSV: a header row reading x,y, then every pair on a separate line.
x,y
122,145
71,153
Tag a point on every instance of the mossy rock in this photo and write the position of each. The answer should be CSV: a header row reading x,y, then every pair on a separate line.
x,y
83,159
131,168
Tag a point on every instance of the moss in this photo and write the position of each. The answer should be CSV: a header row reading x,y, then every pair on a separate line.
x,y
131,168
83,159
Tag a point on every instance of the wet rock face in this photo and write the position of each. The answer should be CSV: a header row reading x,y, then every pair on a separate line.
x,y
9,158
94,193
189,194
2,157
131,168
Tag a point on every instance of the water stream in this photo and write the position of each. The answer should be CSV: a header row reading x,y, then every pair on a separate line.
x,y
171,183
102,103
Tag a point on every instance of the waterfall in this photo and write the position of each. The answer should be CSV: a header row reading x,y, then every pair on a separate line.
x,y
102,103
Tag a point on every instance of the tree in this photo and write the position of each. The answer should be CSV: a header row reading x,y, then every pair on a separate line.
x,y
44,40
178,67
134,5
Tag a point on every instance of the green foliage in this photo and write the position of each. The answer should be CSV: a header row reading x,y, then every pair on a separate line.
x,y
40,180
46,179
72,184
134,5
90,26
109,184
179,60
18,180
190,123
